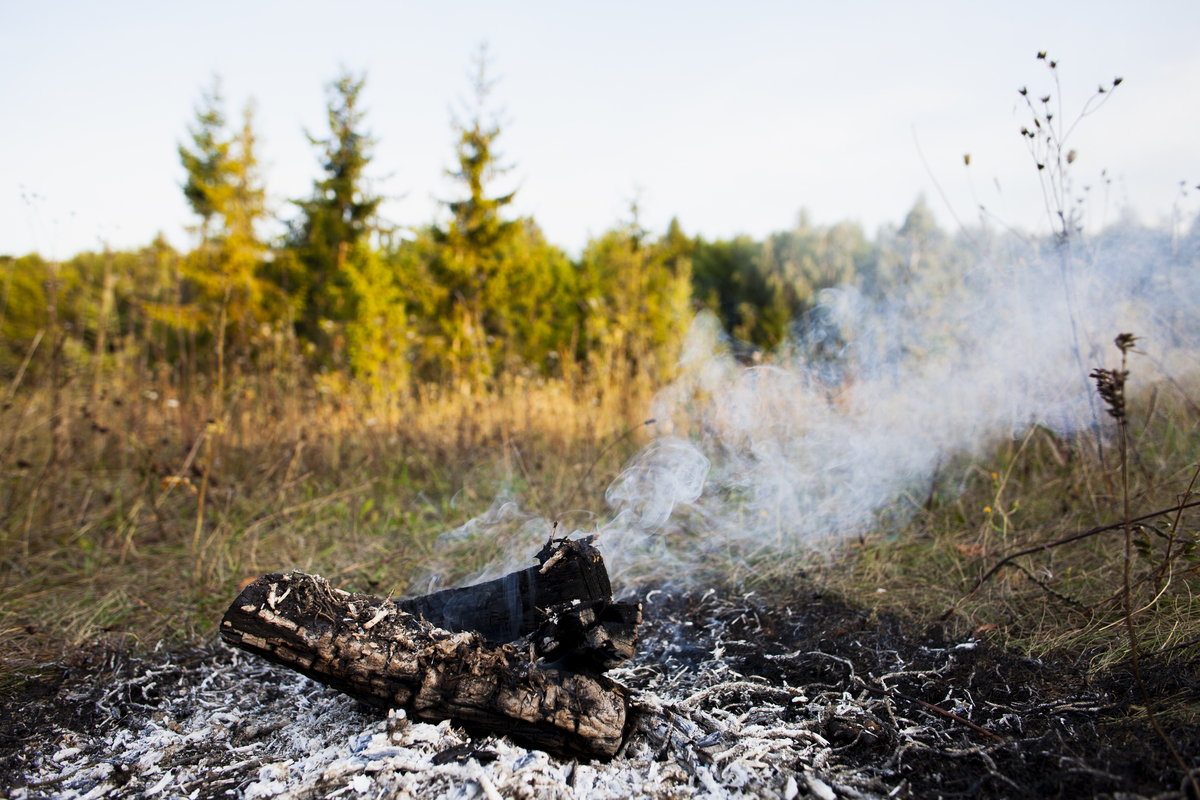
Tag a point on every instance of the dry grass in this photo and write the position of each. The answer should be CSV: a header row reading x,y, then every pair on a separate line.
x,y
1035,491
157,506
100,537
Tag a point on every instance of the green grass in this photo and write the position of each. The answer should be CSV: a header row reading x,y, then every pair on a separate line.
x,y
1064,599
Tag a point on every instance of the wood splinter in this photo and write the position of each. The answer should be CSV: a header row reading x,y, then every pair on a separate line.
x,y
521,655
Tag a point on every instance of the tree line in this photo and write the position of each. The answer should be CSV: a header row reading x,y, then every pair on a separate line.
x,y
460,302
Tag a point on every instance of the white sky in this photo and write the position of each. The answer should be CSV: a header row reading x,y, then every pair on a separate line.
x,y
730,116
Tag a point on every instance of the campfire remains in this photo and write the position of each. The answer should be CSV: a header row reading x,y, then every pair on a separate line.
x,y
735,696
522,655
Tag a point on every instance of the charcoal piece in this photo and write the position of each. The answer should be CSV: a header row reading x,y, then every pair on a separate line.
x,y
589,636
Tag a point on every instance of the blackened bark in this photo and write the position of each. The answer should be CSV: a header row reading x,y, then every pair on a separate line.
x,y
513,606
544,688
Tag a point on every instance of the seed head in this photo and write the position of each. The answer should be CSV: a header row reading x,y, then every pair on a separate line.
x,y
1110,385
1124,342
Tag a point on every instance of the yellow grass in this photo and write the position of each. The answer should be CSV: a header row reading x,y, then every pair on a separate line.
x,y
160,504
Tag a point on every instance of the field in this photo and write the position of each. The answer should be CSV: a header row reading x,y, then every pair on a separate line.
x,y
910,508
133,513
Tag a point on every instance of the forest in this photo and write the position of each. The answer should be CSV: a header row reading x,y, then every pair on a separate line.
x,y
351,297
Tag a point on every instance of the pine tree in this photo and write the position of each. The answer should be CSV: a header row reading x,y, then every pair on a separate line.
x,y
339,217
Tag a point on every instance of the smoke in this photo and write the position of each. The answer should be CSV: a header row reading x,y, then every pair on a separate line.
x,y
878,389
664,475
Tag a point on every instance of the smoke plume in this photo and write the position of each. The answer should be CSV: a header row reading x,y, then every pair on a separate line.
x,y
847,425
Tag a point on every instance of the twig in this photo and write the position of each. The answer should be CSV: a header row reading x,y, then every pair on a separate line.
x,y
1169,557
12,390
212,454
946,200
886,691
1074,538
1048,589
956,718
187,464
1175,527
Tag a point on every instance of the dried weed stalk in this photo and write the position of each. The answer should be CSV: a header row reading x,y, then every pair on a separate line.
x,y
1110,384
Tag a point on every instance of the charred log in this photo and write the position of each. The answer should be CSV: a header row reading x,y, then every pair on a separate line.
x,y
511,607
544,687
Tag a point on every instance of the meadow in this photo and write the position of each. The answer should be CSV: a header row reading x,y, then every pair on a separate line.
x,y
133,511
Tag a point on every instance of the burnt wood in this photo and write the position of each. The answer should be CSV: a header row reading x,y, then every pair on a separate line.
x,y
512,606
543,685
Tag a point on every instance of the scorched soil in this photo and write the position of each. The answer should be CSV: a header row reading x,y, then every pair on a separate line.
x,y
801,696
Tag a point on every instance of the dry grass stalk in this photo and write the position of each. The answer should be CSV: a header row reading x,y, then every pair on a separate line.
x,y
1110,384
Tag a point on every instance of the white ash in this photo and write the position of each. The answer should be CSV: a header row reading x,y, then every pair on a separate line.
x,y
232,725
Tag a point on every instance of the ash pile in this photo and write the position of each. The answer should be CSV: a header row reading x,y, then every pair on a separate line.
x,y
729,696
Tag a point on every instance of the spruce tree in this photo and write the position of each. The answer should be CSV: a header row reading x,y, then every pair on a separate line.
x,y
207,163
225,190
340,215
471,267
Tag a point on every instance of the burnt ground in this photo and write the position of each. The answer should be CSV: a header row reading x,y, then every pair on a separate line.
x,y
1054,732
799,696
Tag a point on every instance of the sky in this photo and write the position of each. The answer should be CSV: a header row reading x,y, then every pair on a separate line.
x,y
730,117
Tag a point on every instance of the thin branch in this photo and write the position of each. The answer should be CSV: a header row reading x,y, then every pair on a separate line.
x,y
566,505
1076,537
957,718
938,186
